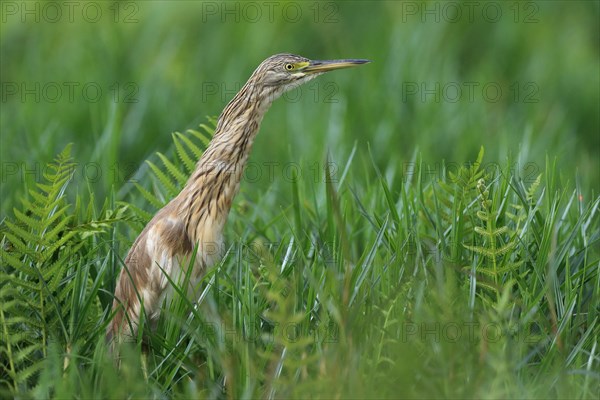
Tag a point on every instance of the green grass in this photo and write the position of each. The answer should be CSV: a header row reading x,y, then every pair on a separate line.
x,y
474,285
375,249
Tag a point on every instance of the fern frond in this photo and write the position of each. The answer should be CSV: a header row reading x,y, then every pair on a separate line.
x,y
168,184
530,194
495,233
188,149
182,153
152,199
498,241
40,251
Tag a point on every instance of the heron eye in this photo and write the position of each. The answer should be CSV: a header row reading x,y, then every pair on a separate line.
x,y
289,67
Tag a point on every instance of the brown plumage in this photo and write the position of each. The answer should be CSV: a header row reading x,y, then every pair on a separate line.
x,y
196,216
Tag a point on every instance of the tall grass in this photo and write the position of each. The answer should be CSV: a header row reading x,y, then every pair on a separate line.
x,y
472,284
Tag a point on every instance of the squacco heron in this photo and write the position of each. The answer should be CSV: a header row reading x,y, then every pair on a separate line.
x,y
196,216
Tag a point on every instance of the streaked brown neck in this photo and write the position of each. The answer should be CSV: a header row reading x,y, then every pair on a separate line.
x,y
214,183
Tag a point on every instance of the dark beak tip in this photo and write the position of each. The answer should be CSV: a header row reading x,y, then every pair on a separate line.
x,y
357,61
330,65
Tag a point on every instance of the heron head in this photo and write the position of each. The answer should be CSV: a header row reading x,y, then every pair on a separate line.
x,y
282,72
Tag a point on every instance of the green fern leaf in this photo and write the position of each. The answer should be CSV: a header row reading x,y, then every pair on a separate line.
x,y
153,200
164,180
195,149
207,133
27,220
172,170
180,148
533,188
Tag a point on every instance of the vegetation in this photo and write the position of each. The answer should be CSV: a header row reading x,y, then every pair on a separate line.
x,y
375,250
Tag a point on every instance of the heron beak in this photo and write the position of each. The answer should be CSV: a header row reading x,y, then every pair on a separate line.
x,y
318,66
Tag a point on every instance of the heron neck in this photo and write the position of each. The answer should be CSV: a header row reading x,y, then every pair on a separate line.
x,y
212,186
236,130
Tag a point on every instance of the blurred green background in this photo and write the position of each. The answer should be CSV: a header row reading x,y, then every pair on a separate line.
x,y
520,78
